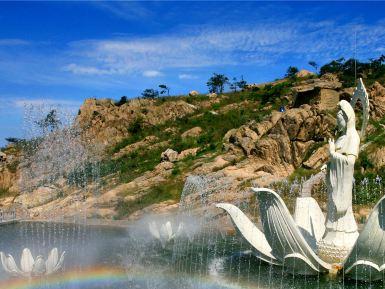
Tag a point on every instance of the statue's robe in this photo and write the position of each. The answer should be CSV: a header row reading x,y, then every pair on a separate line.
x,y
341,228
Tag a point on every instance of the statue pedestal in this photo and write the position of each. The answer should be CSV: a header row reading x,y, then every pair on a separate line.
x,y
334,254
337,243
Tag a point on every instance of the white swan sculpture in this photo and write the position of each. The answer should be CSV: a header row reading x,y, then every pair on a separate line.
x,y
310,244
30,267
282,242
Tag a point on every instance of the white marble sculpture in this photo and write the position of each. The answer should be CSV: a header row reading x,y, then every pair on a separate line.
x,y
30,267
164,232
308,243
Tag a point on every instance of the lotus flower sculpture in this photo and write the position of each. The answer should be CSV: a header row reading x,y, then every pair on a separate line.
x,y
308,243
30,267
164,233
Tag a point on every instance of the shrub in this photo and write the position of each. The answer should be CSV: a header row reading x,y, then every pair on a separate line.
x,y
150,93
136,126
122,101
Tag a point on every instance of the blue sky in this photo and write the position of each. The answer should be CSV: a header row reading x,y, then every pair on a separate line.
x,y
59,53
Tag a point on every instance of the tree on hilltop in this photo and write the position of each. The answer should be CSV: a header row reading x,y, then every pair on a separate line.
x,y
150,93
242,83
291,72
122,101
50,123
314,65
234,84
216,83
164,88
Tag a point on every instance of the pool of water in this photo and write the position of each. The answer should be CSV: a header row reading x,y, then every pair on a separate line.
x,y
119,258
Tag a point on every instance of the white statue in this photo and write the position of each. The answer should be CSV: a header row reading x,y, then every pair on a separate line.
x,y
341,228
30,267
299,244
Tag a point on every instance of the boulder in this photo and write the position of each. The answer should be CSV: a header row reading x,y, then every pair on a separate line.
x,y
193,93
318,158
261,128
293,122
162,168
212,95
193,132
187,153
169,155
246,138
304,73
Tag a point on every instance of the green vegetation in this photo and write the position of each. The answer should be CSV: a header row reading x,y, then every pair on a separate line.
x,y
235,84
162,192
150,93
217,83
347,70
216,119
122,101
214,128
164,88
378,135
291,72
4,192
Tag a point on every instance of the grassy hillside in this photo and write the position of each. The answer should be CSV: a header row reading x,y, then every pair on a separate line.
x,y
216,116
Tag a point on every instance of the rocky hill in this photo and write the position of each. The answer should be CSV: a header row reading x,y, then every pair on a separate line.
x,y
146,149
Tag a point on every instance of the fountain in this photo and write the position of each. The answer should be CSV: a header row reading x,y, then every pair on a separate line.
x,y
309,244
164,232
197,248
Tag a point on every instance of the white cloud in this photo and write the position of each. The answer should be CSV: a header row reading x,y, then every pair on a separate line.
x,y
128,10
13,42
88,70
187,76
151,73
262,44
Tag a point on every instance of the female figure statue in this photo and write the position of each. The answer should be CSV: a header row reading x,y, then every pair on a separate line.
x,y
341,228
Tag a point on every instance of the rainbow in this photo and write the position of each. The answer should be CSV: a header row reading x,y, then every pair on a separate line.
x,y
77,279
99,276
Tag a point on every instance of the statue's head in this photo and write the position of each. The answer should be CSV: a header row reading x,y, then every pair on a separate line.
x,y
345,116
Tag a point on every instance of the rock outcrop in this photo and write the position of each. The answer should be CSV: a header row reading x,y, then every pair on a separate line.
x,y
377,101
104,122
284,138
255,153
9,173
324,92
318,158
304,73
193,93
193,132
